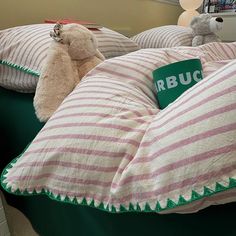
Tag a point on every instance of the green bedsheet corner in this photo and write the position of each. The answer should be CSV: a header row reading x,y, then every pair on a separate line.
x,y
18,124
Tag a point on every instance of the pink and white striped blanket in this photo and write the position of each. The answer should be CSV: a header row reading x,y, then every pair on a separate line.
x,y
109,146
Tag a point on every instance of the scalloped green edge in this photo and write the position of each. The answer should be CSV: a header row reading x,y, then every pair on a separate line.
x,y
20,68
195,196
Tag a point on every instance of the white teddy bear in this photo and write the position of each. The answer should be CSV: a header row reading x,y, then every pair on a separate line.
x,y
204,28
71,55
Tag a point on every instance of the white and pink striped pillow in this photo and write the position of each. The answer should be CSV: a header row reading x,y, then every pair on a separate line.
x,y
110,147
23,50
164,37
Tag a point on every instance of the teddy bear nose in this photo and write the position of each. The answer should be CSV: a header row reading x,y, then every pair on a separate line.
x,y
219,19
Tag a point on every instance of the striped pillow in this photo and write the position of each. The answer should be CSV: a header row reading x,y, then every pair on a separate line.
x,y
164,37
109,146
23,50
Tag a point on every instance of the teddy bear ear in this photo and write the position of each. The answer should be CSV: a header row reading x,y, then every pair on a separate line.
x,y
193,21
56,33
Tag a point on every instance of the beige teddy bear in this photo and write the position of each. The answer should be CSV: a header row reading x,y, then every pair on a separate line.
x,y
72,54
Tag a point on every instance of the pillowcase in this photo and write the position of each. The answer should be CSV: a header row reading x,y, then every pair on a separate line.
x,y
23,50
164,37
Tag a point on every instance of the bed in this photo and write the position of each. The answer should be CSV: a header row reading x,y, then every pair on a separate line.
x,y
119,123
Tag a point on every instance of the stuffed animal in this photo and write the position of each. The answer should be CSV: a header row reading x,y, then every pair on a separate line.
x,y
71,54
204,28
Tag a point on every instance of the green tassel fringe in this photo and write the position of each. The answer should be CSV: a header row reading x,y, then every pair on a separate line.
x,y
20,68
122,209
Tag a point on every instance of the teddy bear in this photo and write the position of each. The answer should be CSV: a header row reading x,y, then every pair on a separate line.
x,y
204,27
70,56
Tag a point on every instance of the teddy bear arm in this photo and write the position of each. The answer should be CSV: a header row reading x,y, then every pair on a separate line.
x,y
211,38
197,40
85,66
99,55
54,84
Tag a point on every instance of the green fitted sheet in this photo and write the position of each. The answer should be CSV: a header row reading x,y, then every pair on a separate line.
x,y
19,125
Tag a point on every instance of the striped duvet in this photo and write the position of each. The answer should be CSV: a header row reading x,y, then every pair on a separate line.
x,y
109,146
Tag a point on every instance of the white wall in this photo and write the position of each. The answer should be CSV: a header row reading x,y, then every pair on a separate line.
x,y
131,16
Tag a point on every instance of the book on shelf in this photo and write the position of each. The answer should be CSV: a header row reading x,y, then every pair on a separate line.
x,y
219,6
228,5
88,24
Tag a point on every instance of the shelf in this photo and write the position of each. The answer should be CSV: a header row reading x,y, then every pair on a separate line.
x,y
233,13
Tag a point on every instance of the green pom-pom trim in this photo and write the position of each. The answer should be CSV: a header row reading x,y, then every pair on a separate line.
x,y
20,68
195,196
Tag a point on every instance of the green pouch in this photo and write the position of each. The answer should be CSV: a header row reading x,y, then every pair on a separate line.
x,y
173,79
